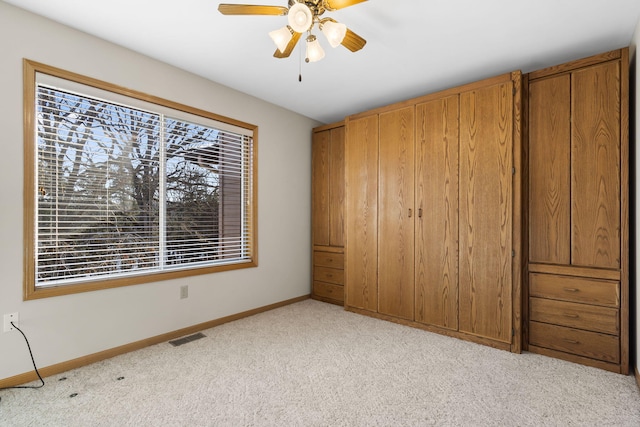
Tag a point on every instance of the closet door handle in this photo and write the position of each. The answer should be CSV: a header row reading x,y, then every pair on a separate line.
x,y
410,212
420,213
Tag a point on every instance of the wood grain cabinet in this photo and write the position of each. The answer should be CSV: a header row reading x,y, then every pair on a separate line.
x,y
328,213
431,195
578,211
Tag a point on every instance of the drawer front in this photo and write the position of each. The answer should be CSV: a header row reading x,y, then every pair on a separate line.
x,y
580,316
328,259
568,340
331,275
575,289
328,290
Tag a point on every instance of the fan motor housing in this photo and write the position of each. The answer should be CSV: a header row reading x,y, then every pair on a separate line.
x,y
317,6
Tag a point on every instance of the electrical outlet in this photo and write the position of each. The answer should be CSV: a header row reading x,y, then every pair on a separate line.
x,y
184,291
8,318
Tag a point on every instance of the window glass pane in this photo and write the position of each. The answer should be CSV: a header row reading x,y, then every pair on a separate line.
x,y
193,193
97,176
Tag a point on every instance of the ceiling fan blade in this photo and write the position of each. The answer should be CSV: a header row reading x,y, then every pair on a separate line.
x,y
292,44
353,42
340,4
249,9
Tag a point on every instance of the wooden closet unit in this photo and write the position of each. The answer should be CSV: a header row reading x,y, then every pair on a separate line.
x,y
328,213
432,190
578,290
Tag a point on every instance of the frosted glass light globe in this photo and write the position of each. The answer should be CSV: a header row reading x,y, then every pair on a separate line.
x,y
334,32
281,38
314,50
300,17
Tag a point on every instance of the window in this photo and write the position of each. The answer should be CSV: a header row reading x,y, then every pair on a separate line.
x,y
124,188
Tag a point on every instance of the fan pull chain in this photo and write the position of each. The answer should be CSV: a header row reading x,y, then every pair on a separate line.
x,y
300,65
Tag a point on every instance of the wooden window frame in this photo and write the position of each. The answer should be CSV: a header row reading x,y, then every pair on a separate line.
x,y
31,291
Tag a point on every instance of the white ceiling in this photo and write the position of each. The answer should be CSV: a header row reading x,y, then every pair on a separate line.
x,y
414,47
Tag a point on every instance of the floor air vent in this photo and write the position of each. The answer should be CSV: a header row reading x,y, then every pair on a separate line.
x,y
187,339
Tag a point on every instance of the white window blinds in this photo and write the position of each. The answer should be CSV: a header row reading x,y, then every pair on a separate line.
x,y
125,187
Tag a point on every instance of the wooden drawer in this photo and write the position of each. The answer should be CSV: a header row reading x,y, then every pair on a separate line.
x,y
328,290
575,289
328,259
568,340
331,275
580,316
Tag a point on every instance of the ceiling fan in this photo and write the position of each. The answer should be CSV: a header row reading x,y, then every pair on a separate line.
x,y
302,16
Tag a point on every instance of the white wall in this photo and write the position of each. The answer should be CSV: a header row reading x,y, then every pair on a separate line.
x,y
635,119
66,327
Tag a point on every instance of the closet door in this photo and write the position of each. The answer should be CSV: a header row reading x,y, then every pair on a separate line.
x,y
320,183
549,160
361,160
595,166
396,214
436,268
486,156
336,183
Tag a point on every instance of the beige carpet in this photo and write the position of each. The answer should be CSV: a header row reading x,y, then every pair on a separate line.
x,y
313,364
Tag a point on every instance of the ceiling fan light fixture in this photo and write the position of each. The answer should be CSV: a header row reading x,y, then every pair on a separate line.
x,y
300,17
334,32
282,37
314,50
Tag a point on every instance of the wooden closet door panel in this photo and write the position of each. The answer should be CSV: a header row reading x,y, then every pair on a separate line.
x,y
436,275
396,214
320,183
336,184
361,172
550,170
595,166
486,144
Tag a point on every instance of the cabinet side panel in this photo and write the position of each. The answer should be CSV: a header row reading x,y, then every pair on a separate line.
x,y
396,294
361,172
320,190
436,275
549,170
595,153
336,184
486,155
